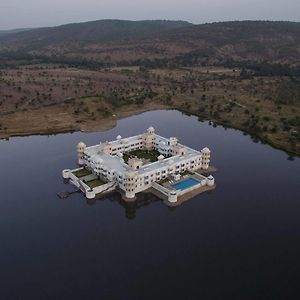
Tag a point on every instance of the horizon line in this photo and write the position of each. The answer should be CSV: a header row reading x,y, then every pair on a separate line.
x,y
145,20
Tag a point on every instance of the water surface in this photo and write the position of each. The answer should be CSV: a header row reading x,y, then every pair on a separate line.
x,y
240,241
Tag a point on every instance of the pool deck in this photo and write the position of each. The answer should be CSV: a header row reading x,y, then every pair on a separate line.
x,y
189,194
195,175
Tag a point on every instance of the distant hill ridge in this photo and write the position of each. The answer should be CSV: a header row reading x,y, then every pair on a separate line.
x,y
11,31
101,30
116,41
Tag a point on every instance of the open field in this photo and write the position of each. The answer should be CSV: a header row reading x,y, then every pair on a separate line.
x,y
45,99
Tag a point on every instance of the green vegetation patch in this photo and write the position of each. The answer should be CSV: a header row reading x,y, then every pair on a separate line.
x,y
151,155
165,180
94,183
82,173
186,173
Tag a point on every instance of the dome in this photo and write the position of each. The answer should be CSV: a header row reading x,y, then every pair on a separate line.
x,y
210,177
162,144
119,137
205,150
98,161
81,145
161,157
150,129
120,154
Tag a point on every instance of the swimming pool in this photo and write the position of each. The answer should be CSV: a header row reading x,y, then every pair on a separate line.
x,y
183,185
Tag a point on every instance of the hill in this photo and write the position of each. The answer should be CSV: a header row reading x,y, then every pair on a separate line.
x,y
176,43
94,31
84,76
8,32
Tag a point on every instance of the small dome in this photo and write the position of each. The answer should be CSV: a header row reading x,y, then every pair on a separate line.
x,y
210,177
205,150
119,137
120,154
81,145
150,129
98,161
161,157
162,144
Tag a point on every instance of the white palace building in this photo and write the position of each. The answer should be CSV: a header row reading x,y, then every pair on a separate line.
x,y
175,170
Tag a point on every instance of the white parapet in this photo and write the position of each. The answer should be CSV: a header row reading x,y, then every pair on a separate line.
x,y
66,173
204,182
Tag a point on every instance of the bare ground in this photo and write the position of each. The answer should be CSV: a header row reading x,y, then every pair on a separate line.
x,y
267,107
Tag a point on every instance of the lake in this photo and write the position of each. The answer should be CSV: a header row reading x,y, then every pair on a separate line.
x,y
239,241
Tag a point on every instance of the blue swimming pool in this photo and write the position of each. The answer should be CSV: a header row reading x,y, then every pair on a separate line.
x,y
183,185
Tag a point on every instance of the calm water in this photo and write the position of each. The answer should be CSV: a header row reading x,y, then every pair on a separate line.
x,y
240,241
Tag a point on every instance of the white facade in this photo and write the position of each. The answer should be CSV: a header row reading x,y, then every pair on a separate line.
x,y
106,160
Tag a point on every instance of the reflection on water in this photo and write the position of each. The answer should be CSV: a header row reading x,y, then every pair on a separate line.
x,y
130,208
240,241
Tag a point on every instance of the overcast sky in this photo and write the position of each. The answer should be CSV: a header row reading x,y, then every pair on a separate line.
x,y
37,13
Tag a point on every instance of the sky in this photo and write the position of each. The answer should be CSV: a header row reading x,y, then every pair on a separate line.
x,y
40,13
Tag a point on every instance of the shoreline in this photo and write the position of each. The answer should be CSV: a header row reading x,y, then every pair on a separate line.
x,y
86,126
108,123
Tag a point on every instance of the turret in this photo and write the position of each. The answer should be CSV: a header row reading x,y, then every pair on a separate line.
x,y
173,141
149,138
130,185
135,163
80,153
151,130
210,180
205,158
179,150
107,148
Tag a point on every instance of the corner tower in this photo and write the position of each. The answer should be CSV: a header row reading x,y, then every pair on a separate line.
x,y
205,158
80,153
